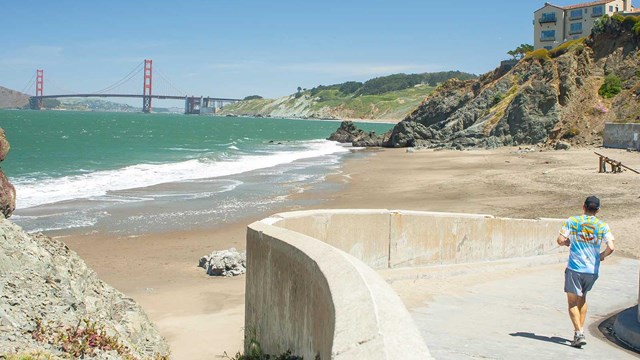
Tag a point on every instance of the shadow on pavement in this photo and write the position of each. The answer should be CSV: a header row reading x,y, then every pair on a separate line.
x,y
553,339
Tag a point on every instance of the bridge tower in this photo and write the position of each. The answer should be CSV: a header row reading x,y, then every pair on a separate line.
x,y
146,89
39,89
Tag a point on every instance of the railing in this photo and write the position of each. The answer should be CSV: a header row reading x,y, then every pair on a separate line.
x,y
575,16
548,38
547,18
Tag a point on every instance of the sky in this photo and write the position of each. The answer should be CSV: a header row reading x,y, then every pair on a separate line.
x,y
236,48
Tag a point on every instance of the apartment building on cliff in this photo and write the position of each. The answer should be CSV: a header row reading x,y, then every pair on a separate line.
x,y
553,25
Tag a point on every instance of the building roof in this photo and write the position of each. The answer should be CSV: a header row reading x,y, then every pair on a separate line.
x,y
592,3
581,5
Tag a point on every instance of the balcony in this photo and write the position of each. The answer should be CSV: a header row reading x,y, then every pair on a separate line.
x,y
547,18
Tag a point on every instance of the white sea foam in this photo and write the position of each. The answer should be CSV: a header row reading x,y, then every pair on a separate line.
x,y
90,185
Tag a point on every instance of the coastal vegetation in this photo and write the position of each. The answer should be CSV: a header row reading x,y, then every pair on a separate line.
x,y
611,87
520,52
389,97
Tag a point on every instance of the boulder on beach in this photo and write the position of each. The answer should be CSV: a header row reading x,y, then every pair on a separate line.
x,y
224,263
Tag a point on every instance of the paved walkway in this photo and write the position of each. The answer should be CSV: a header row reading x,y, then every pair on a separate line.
x,y
512,309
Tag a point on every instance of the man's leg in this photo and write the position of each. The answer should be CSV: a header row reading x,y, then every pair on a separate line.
x,y
582,306
575,314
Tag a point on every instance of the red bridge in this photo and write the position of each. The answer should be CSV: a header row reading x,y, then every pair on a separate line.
x,y
192,104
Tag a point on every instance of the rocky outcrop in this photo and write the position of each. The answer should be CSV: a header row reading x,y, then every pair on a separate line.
x,y
224,263
545,98
349,133
46,289
7,191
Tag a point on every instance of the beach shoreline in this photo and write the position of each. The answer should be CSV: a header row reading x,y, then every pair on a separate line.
x,y
202,316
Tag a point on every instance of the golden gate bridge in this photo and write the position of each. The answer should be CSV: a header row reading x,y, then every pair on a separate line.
x,y
192,104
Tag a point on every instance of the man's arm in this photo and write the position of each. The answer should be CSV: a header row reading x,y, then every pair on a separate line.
x,y
608,250
563,240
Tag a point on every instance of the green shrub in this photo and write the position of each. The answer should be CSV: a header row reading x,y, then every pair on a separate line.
x,y
255,353
611,87
617,18
630,21
636,28
600,25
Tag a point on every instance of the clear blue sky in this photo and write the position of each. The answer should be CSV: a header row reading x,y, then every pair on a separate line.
x,y
235,48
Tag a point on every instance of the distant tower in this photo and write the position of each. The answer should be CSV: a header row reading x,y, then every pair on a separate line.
x,y
39,88
146,90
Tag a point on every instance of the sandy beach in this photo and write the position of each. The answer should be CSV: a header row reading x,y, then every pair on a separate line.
x,y
202,316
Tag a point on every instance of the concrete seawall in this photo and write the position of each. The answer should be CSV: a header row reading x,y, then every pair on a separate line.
x,y
622,136
311,288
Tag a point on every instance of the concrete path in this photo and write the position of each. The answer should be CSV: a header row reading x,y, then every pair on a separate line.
x,y
512,309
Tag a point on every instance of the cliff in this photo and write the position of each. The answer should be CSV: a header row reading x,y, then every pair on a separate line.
x,y
10,99
389,98
567,93
329,104
53,304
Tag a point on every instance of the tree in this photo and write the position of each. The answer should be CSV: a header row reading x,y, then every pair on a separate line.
x,y
519,52
298,94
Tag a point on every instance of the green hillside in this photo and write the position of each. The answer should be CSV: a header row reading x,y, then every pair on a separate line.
x,y
390,98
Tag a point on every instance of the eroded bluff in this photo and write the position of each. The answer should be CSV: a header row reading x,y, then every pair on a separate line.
x,y
546,97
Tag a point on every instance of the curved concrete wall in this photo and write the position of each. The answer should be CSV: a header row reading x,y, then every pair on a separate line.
x,y
310,285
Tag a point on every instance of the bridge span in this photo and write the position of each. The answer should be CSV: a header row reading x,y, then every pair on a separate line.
x,y
192,104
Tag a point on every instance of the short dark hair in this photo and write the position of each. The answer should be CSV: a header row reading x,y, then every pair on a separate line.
x,y
592,203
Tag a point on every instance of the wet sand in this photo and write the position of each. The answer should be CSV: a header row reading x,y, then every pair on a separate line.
x,y
202,316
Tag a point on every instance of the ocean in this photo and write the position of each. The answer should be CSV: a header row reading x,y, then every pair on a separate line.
x,y
134,173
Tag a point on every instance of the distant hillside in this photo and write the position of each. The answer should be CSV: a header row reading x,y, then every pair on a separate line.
x,y
385,98
89,104
11,99
567,94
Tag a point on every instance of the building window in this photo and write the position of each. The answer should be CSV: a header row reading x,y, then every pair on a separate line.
x,y
610,8
575,14
576,28
547,18
548,47
548,35
597,11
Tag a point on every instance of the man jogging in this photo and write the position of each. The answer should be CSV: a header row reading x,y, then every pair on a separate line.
x,y
583,234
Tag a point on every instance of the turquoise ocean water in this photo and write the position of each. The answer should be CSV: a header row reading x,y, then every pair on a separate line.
x,y
131,173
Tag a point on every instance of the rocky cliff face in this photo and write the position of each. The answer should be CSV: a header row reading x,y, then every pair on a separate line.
x,y
7,191
47,292
545,98
50,301
12,99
